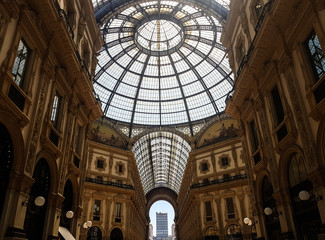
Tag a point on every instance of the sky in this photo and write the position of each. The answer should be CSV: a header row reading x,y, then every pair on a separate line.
x,y
165,207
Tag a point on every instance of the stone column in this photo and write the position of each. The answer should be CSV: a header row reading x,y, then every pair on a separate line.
x,y
15,211
219,217
108,216
54,211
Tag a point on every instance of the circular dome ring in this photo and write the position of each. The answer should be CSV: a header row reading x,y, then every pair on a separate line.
x,y
184,84
165,17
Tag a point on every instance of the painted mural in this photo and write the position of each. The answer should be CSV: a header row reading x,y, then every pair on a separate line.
x,y
218,132
103,133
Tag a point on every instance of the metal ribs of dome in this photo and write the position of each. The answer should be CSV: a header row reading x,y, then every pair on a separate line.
x,y
105,7
180,85
161,158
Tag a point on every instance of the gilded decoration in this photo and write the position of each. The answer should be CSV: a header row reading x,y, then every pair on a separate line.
x,y
218,132
103,133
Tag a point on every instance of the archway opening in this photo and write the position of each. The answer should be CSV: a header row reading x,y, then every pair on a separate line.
x,y
211,233
116,234
271,220
36,213
67,204
94,233
305,210
6,161
162,225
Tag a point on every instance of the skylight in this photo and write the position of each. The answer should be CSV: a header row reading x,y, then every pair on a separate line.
x,y
162,64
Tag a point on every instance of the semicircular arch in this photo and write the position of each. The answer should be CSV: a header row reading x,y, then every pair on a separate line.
x,y
16,138
284,162
161,193
51,161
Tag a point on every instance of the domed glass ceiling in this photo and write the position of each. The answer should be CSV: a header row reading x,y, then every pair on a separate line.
x,y
162,63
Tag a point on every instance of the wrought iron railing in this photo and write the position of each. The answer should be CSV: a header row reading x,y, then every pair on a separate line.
x,y
65,18
218,181
83,65
267,7
109,183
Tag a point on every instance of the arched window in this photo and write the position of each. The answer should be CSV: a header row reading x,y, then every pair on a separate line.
x,y
116,234
233,232
305,212
94,233
67,204
271,221
6,161
35,216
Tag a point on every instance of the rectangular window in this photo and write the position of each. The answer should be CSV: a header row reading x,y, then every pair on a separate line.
x,y
316,55
118,212
277,104
118,209
317,58
96,216
253,136
204,166
230,208
208,211
100,163
20,64
55,110
224,161
120,168
79,139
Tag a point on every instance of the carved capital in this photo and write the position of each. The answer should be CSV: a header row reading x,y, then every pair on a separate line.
x,y
55,200
20,182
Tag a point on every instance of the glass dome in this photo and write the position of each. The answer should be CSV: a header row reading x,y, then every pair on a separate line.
x,y
162,64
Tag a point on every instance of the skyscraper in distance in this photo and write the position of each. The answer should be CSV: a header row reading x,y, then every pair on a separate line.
x,y
161,226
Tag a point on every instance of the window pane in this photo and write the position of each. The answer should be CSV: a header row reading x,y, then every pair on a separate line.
x,y
20,63
279,113
316,54
118,209
55,110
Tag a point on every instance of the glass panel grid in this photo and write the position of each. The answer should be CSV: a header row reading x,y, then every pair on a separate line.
x,y
166,164
181,66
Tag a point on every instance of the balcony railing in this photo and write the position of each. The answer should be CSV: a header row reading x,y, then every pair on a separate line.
x,y
108,183
218,181
267,7
83,64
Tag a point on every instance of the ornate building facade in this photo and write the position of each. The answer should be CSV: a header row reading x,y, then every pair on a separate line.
x,y
277,53
214,106
46,106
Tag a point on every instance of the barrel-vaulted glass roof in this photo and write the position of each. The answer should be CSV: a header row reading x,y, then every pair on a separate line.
x,y
162,63
161,158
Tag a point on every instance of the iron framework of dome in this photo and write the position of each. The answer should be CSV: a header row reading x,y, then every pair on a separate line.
x,y
162,62
161,158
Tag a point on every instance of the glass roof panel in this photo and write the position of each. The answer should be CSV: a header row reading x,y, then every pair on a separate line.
x,y
161,158
161,65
